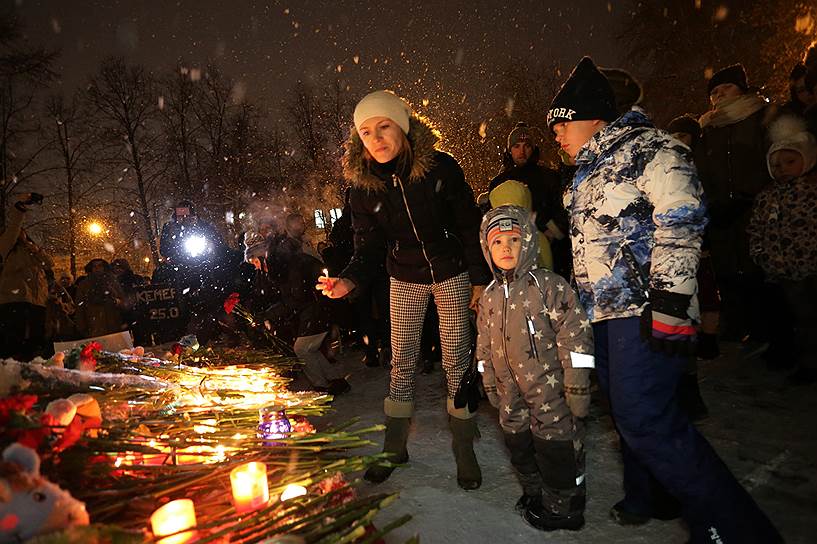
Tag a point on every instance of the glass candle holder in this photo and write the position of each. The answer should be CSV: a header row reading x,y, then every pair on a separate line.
x,y
173,519
249,486
273,424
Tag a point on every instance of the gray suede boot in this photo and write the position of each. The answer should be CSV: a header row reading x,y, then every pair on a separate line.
x,y
469,476
397,430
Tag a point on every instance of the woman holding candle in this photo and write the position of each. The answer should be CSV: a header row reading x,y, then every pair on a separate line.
x,y
413,201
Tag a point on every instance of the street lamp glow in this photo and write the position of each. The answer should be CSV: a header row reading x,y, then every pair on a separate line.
x,y
94,228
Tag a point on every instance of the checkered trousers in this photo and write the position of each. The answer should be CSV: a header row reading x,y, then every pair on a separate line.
x,y
408,309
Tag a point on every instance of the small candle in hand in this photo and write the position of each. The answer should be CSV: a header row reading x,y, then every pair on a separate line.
x,y
250,489
172,518
325,282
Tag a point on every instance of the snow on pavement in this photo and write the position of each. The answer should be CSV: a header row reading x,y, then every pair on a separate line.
x,y
761,429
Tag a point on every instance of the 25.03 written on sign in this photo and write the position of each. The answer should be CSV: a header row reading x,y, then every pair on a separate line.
x,y
161,313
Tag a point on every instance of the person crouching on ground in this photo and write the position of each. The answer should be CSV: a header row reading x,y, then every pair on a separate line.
x,y
535,346
295,273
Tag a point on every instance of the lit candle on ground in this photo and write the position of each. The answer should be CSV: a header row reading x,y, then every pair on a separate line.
x,y
291,491
172,518
250,490
325,272
273,423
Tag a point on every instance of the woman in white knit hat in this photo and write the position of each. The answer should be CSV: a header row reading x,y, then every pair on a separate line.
x,y
413,210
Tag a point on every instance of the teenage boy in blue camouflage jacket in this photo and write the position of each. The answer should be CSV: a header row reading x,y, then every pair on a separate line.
x,y
636,221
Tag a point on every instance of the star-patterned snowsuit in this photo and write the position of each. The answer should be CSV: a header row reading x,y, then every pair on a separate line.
x,y
535,344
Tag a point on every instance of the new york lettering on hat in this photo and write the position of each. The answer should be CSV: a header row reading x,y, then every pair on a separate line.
x,y
586,95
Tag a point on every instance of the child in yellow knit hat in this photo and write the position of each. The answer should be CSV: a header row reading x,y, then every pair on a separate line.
x,y
515,193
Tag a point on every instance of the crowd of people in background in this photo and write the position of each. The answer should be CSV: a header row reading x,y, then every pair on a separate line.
x,y
705,227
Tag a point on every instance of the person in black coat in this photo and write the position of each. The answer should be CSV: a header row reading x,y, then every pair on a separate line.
x,y
295,273
520,162
412,201
731,161
189,240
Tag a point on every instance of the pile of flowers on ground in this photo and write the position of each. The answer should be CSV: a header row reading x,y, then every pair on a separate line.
x,y
215,431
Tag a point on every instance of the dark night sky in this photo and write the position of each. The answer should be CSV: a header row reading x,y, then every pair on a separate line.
x,y
428,50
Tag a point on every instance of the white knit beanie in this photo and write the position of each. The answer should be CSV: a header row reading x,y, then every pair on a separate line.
x,y
383,104
790,132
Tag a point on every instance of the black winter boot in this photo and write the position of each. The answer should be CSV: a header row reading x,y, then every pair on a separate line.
x,y
563,500
397,429
557,509
469,476
531,492
523,459
708,347
689,397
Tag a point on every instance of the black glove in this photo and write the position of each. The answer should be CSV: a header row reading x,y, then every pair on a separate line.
x,y
35,198
665,323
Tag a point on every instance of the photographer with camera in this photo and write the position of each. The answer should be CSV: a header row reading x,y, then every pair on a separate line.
x,y
201,267
23,286
188,240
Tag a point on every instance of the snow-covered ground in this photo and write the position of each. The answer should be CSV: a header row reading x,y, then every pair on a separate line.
x,y
763,430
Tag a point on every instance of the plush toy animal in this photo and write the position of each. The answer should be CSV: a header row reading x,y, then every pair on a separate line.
x,y
30,505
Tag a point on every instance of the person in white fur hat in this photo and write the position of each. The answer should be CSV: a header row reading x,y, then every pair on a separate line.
x,y
783,234
413,211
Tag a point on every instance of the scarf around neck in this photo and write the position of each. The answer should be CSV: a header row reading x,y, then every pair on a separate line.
x,y
733,110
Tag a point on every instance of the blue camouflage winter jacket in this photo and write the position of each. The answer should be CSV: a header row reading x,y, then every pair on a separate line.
x,y
636,218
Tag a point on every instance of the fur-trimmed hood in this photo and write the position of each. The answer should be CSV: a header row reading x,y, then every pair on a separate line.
x,y
423,139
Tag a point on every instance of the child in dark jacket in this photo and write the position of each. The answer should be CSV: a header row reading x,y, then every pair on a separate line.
x,y
783,235
535,350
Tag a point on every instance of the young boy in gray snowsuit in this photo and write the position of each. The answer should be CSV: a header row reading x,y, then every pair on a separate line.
x,y
535,347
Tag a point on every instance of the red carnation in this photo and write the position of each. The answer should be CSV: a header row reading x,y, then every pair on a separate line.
x,y
176,349
15,404
230,303
90,350
88,355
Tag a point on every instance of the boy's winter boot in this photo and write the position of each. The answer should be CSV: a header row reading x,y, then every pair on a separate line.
x,y
469,475
690,399
708,346
397,429
523,459
563,499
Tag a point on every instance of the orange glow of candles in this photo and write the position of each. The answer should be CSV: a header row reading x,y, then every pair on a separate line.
x,y
171,519
250,489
